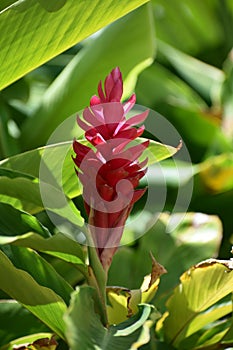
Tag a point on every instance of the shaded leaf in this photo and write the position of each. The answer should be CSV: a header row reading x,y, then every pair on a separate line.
x,y
39,269
173,90
32,184
177,241
11,325
59,246
90,332
203,77
25,340
123,302
183,24
16,222
216,173
43,302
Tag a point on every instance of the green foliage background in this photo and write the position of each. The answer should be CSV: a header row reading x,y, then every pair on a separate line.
x,y
177,56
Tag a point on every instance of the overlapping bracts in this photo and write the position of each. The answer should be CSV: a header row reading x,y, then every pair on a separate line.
x,y
110,169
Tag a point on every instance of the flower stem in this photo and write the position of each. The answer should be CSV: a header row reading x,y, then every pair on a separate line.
x,y
97,278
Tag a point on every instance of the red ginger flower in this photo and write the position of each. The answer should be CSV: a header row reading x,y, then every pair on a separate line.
x,y
110,172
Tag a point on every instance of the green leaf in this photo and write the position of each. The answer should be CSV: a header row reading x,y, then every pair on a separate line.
x,y
15,222
59,246
25,340
201,287
41,178
71,22
123,302
158,151
212,337
43,302
172,90
11,325
183,24
8,144
89,331
127,43
56,157
228,337
39,269
203,77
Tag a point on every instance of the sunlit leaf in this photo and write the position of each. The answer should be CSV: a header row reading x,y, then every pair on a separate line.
x,y
27,187
158,151
71,91
201,287
65,25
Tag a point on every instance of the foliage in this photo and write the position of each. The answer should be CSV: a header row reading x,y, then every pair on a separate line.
x,y
180,70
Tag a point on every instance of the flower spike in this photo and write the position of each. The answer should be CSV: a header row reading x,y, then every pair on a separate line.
x,y
110,172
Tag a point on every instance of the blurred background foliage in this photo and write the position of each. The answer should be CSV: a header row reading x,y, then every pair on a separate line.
x,y
177,56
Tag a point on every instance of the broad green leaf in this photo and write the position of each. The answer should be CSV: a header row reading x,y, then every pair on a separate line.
x,y
215,334
89,331
206,126
50,169
39,269
203,77
65,24
211,326
201,287
11,325
175,172
56,157
208,136
127,43
6,3
43,302
22,193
